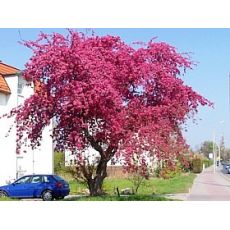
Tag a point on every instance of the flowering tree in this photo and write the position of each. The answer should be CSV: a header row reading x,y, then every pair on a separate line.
x,y
107,95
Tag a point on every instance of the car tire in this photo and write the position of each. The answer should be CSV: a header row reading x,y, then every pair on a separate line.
x,y
3,194
47,195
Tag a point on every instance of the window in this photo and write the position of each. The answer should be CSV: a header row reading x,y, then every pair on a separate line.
x,y
23,180
58,178
36,179
46,179
20,88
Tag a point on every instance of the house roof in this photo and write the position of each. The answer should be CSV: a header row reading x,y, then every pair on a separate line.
x,y
6,70
4,88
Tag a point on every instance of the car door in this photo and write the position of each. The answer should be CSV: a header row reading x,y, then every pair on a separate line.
x,y
36,185
20,187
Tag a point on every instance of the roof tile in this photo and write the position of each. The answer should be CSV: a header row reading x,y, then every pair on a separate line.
x,y
6,70
4,88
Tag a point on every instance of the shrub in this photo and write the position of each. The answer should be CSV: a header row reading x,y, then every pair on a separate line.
x,y
197,165
207,162
167,173
59,162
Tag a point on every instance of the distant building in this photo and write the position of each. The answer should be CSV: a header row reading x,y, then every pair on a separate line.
x,y
13,92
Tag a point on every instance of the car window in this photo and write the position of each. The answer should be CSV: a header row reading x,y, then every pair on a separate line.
x,y
58,178
36,179
46,179
23,180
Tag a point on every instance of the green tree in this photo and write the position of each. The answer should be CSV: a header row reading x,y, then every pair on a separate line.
x,y
207,147
224,153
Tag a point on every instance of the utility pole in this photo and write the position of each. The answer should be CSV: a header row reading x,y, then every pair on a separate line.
x,y
219,155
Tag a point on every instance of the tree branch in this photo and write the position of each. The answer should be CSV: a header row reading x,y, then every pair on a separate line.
x,y
93,142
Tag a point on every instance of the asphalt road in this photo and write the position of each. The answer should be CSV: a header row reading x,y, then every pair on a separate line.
x,y
221,169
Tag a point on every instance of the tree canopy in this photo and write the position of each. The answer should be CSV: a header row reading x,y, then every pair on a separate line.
x,y
120,99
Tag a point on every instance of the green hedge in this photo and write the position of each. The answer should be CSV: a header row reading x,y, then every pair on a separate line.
x,y
207,162
197,165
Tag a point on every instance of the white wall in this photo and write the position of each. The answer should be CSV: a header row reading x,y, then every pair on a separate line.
x,y
90,153
37,161
2,100
7,141
41,159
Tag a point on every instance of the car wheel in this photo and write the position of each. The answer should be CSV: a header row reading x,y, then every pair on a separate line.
x,y
3,194
47,196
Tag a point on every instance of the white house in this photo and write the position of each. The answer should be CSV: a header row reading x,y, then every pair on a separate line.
x,y
13,91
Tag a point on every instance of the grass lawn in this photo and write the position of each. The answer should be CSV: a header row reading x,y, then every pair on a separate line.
x,y
7,199
178,184
121,198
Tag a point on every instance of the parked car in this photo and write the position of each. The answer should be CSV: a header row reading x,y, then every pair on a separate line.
x,y
227,169
47,187
226,166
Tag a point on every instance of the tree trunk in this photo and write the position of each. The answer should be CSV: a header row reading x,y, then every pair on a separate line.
x,y
95,184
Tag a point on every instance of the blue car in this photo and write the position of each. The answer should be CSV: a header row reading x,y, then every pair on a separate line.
x,y
47,187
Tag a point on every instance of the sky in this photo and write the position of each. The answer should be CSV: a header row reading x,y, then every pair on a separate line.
x,y
209,48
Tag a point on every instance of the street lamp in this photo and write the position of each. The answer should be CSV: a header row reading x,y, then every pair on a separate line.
x,y
214,149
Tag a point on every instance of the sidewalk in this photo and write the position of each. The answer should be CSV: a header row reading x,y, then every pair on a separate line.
x,y
210,186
